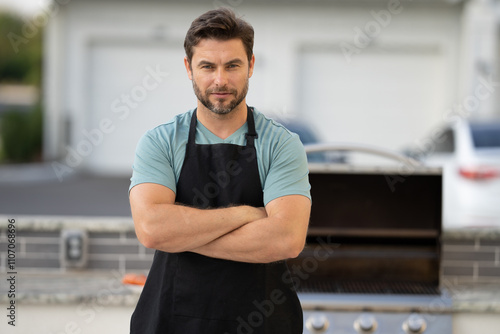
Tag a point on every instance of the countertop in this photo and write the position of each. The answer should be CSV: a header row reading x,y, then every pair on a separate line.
x,y
106,288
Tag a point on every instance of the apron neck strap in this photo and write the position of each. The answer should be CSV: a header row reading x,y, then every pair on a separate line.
x,y
192,130
251,135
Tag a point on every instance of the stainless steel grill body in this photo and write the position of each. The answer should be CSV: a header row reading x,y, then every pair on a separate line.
x,y
372,259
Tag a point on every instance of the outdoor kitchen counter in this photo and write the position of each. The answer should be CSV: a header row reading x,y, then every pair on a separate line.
x,y
100,288
70,286
484,298
106,289
472,233
471,266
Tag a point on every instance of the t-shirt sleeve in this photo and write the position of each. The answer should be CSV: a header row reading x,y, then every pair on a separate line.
x,y
152,163
288,173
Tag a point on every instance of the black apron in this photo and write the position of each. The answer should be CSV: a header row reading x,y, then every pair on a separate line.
x,y
188,293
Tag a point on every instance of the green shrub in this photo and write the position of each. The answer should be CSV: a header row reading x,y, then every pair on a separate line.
x,y
19,63
21,135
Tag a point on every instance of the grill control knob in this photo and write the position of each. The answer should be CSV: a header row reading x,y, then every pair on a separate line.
x,y
414,324
365,323
317,323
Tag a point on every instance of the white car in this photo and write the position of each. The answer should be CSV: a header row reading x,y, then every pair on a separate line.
x,y
469,153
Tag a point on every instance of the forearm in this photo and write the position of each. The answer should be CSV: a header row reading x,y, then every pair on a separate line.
x,y
278,236
177,228
262,241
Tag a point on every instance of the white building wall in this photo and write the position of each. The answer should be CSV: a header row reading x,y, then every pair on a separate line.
x,y
480,56
286,32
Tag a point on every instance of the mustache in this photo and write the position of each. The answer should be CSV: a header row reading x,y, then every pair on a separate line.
x,y
223,89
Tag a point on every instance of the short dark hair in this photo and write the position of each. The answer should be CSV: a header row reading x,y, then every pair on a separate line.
x,y
219,24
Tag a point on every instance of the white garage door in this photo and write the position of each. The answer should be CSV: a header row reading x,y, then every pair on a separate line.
x,y
132,88
387,97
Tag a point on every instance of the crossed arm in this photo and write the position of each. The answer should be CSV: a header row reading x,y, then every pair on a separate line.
x,y
238,233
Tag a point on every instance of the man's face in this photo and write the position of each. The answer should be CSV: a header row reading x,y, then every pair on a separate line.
x,y
220,71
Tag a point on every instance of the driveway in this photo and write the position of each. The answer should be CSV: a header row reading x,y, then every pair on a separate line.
x,y
34,189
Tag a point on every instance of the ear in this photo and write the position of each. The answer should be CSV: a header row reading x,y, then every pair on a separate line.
x,y
188,68
250,66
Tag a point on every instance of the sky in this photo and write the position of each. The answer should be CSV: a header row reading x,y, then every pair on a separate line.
x,y
25,7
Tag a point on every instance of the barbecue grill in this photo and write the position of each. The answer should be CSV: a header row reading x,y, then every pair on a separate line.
x,y
372,258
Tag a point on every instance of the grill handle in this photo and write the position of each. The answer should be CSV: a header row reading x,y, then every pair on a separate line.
x,y
355,147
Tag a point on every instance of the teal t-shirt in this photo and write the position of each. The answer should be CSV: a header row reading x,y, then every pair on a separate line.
x,y
281,157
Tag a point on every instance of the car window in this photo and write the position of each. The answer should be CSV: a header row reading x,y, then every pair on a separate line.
x,y
307,135
485,135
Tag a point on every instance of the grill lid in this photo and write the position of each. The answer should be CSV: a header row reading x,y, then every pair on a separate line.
x,y
369,234
376,202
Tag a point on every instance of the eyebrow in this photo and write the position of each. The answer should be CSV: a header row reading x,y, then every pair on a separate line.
x,y
232,61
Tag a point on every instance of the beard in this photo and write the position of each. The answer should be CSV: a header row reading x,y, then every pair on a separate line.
x,y
220,107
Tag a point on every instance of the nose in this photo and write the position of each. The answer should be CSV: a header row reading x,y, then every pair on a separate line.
x,y
220,77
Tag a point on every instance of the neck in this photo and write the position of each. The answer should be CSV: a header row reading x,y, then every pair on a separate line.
x,y
222,125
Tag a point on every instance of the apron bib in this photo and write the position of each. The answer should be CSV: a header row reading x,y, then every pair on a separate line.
x,y
188,293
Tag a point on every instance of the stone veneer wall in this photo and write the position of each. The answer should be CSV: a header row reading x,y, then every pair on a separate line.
x,y
469,256
111,244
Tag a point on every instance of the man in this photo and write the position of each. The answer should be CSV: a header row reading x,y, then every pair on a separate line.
x,y
222,193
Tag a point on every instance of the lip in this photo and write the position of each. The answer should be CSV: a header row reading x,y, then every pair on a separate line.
x,y
221,94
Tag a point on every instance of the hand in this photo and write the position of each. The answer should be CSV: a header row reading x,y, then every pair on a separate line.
x,y
257,213
285,217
